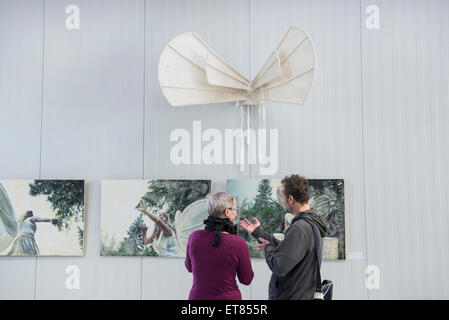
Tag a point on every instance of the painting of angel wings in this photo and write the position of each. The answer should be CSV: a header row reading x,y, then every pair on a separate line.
x,y
42,217
151,217
261,198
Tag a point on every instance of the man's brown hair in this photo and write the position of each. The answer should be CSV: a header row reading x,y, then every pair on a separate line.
x,y
297,187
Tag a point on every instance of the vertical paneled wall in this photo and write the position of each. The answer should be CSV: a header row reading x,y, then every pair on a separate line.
x,y
406,143
92,129
21,34
86,104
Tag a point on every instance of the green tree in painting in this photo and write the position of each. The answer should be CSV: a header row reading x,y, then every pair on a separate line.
x,y
264,193
132,244
174,195
149,251
108,246
267,210
66,198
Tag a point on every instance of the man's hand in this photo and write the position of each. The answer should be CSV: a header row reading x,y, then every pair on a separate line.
x,y
262,244
248,226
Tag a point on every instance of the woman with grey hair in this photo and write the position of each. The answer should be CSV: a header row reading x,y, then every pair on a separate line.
x,y
215,254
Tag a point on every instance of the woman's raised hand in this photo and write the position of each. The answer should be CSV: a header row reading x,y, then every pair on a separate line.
x,y
143,206
143,228
248,226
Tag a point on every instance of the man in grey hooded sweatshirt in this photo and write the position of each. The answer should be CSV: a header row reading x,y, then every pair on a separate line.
x,y
293,260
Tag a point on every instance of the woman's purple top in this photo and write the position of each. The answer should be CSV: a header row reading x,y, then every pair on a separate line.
x,y
214,269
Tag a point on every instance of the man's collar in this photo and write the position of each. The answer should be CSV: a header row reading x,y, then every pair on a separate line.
x,y
299,215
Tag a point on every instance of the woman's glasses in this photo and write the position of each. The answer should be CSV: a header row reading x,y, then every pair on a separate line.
x,y
236,209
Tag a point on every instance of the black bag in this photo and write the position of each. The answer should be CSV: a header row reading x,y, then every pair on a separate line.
x,y
323,289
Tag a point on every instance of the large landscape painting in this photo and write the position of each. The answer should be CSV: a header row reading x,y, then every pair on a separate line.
x,y
261,199
42,217
151,217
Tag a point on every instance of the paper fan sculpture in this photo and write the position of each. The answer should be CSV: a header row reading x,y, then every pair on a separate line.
x,y
192,73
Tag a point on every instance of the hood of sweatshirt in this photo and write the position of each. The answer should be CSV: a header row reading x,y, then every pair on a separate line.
x,y
313,214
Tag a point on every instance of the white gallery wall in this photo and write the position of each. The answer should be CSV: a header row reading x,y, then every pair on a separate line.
x,y
86,104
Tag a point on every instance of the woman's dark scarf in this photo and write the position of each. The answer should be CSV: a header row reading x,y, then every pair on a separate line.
x,y
219,225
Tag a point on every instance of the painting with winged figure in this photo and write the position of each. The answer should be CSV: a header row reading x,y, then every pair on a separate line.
x,y
261,199
41,217
151,217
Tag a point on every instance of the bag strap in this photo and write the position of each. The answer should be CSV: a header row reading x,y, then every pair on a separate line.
x,y
318,272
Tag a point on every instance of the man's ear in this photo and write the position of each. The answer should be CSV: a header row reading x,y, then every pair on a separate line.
x,y
291,199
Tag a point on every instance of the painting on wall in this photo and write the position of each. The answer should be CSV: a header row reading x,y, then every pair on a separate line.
x,y
261,199
42,217
151,217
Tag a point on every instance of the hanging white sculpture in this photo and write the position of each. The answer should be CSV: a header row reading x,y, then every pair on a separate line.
x,y
191,73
